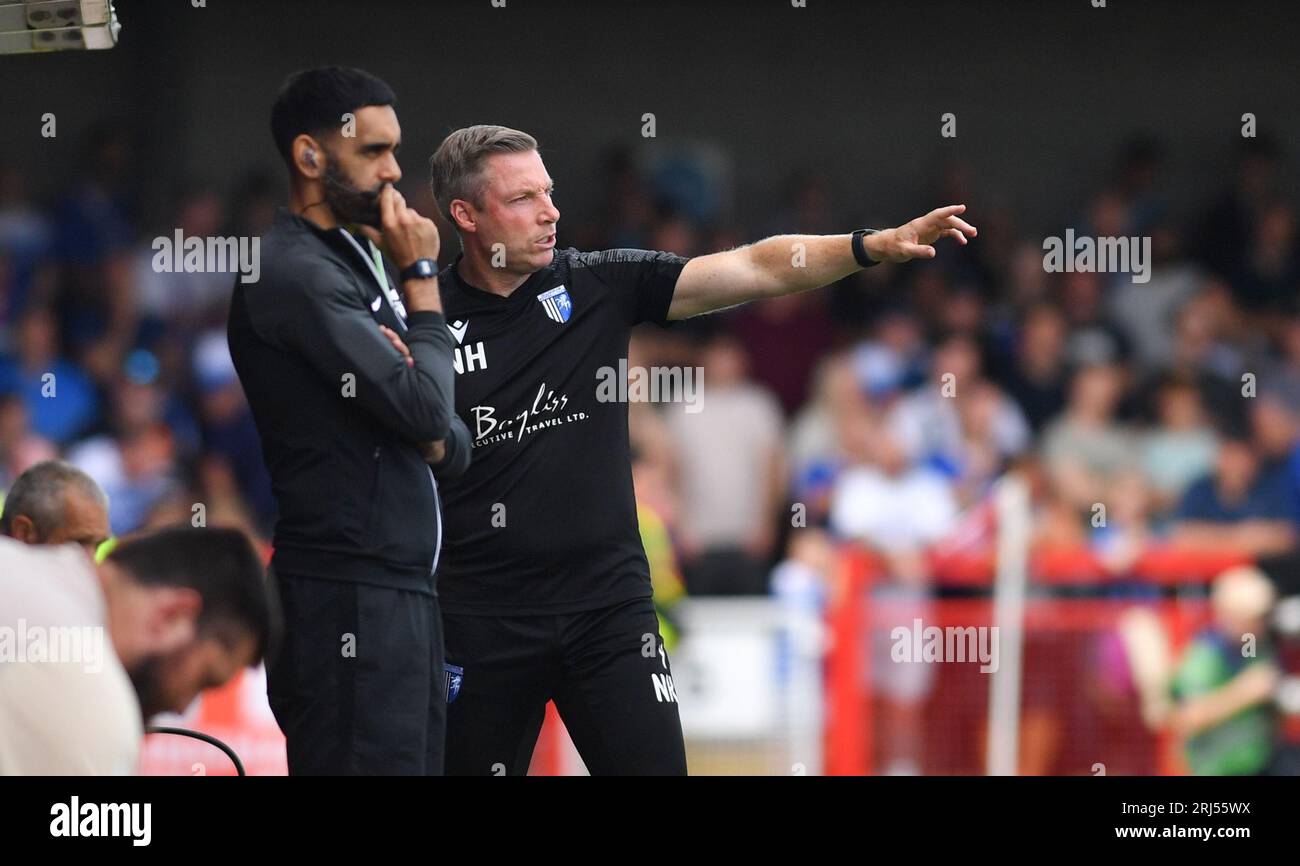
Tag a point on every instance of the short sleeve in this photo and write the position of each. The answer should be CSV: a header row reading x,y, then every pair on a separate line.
x,y
643,280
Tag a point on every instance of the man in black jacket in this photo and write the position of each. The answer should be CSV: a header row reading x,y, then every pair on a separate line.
x,y
353,431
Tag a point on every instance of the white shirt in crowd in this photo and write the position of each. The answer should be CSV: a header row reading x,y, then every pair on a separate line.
x,y
902,512
926,423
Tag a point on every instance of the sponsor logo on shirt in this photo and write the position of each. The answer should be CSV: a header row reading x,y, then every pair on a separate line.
x,y
546,411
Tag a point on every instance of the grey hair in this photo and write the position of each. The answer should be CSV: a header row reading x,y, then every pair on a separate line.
x,y
456,167
38,493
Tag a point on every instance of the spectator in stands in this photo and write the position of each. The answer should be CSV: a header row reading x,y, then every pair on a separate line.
x,y
1093,338
801,587
1238,507
1275,428
61,400
1146,311
784,339
888,502
93,231
733,476
138,471
815,454
958,423
965,313
1265,282
1086,448
1025,276
1182,446
1283,369
982,458
1204,352
1232,221
211,497
182,301
20,448
138,458
26,239
893,359
1036,376
229,434
1123,532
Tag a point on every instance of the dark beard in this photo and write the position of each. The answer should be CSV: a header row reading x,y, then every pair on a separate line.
x,y
147,681
349,204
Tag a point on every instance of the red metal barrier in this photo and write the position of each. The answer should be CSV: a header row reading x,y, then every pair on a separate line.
x,y
848,712
1070,637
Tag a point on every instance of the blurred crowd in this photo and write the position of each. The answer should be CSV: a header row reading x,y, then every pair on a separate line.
x,y
1157,413
881,409
120,369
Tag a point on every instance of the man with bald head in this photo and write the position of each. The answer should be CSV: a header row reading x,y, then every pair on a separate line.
x,y
53,503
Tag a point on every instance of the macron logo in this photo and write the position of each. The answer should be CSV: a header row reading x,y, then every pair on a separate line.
x,y
458,330
374,306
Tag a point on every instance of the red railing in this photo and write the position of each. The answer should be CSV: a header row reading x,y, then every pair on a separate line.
x,y
1055,627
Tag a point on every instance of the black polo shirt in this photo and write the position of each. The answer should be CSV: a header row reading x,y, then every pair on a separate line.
x,y
544,520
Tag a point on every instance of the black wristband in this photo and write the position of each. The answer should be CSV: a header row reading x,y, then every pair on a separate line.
x,y
420,269
860,251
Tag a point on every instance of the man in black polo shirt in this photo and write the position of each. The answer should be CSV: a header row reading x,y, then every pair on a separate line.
x,y
349,427
544,583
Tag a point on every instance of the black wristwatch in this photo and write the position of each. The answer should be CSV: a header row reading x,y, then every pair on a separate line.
x,y
859,251
420,269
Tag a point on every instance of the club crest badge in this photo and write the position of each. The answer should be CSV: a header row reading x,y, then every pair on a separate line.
x,y
557,304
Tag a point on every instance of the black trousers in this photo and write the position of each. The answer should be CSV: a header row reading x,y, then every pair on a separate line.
x,y
357,682
605,669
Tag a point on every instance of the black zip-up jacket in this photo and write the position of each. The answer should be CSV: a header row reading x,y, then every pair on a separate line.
x,y
340,413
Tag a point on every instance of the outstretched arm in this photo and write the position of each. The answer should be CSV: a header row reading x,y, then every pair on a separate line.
x,y
786,264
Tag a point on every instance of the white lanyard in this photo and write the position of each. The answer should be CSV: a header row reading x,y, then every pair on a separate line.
x,y
375,263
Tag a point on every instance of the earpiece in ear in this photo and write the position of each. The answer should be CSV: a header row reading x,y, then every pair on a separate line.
x,y
309,157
